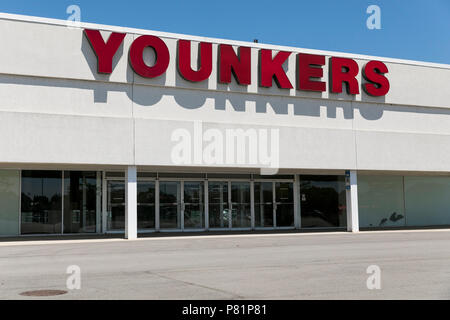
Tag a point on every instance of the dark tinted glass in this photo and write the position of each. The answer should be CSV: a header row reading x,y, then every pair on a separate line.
x,y
116,205
41,205
284,194
218,204
323,201
146,205
80,201
263,204
193,204
240,199
169,204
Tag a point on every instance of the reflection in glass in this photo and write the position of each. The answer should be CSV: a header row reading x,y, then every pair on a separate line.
x,y
80,201
146,205
263,204
169,204
193,204
41,202
240,200
116,205
323,201
218,204
284,197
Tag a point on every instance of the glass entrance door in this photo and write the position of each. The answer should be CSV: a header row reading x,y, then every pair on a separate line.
x,y
274,204
193,207
146,204
80,201
240,205
229,204
284,204
264,204
116,206
218,205
170,204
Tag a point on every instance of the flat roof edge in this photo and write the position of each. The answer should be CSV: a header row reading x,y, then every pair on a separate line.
x,y
60,22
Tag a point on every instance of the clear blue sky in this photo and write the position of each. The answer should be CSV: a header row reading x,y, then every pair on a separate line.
x,y
411,29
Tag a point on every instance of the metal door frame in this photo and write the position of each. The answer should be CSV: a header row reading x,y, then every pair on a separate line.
x,y
230,204
275,203
182,204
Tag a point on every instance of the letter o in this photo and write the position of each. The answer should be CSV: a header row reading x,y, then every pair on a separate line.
x,y
137,58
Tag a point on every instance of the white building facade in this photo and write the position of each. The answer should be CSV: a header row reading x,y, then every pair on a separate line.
x,y
117,130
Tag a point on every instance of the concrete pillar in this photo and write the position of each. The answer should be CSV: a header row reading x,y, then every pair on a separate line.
x,y
131,203
351,186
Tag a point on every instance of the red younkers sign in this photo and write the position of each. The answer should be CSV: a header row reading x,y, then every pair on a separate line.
x,y
309,66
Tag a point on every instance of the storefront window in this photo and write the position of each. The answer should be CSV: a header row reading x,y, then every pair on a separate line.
x,y
41,203
323,201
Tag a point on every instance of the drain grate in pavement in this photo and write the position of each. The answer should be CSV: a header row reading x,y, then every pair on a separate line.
x,y
43,293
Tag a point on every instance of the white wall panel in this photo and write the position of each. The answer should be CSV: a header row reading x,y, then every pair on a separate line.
x,y
63,96
41,138
56,51
299,147
402,151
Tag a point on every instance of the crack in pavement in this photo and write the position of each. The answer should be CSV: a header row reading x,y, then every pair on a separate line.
x,y
234,295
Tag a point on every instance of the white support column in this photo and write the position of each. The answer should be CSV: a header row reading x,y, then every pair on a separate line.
x,y
351,186
131,203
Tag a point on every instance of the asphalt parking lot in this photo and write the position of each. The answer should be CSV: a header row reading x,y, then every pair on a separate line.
x,y
413,265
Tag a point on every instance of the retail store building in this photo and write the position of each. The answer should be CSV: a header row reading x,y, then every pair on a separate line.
x,y
109,130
